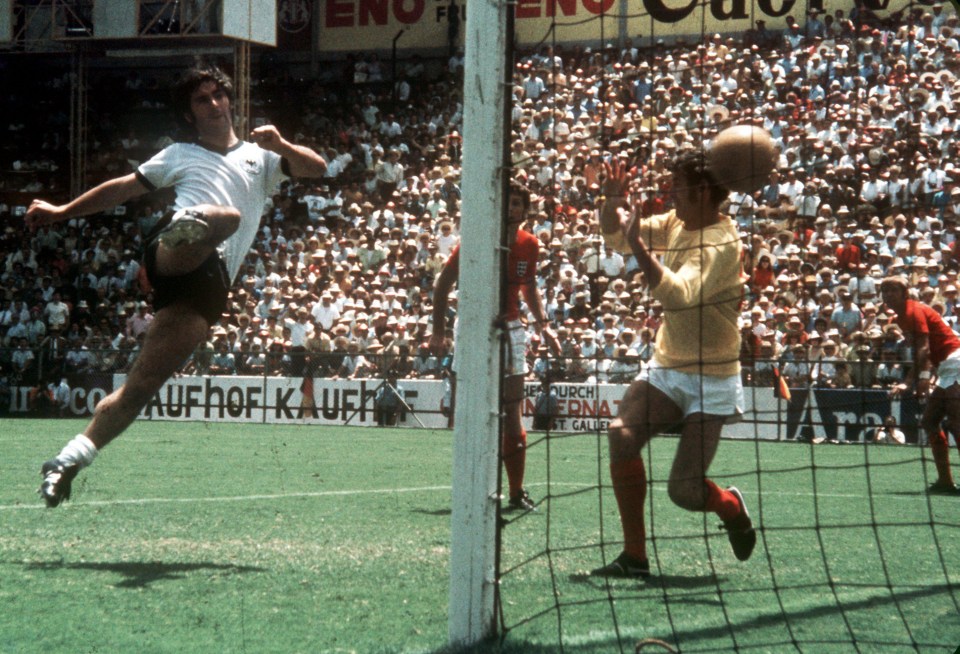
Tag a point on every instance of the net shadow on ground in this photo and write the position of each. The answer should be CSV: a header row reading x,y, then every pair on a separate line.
x,y
826,609
688,639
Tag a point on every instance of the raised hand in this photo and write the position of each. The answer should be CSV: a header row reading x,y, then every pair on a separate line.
x,y
616,184
617,179
267,137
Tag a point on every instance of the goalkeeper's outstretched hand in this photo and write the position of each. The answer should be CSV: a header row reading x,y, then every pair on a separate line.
x,y
616,179
616,188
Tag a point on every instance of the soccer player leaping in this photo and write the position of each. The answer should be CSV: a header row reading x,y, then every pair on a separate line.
x,y
221,185
693,381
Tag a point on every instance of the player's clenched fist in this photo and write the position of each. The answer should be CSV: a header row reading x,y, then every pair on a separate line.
x,y
42,213
267,137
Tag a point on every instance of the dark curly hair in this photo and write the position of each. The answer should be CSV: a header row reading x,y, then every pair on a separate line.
x,y
189,82
691,164
519,189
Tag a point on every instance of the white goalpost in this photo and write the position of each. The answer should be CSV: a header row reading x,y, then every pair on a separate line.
x,y
476,461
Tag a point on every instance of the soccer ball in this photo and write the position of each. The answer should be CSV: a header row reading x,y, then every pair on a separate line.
x,y
741,158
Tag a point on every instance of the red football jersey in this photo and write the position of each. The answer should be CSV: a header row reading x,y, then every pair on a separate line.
x,y
521,270
918,318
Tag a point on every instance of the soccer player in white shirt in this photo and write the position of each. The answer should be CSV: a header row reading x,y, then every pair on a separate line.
x,y
221,185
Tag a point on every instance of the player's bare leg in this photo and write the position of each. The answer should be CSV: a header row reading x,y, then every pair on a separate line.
x,y
690,488
952,402
645,411
698,444
172,335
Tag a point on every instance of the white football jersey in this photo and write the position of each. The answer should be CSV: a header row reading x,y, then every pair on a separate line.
x,y
244,177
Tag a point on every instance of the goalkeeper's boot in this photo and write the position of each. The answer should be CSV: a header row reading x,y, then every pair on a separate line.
x,y
740,531
521,502
57,480
941,487
624,566
187,228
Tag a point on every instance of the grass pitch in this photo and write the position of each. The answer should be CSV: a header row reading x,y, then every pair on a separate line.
x,y
256,538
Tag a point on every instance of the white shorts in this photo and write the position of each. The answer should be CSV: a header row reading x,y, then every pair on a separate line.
x,y
515,354
694,393
948,372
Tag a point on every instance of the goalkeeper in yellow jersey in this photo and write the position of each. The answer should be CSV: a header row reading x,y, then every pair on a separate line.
x,y
692,383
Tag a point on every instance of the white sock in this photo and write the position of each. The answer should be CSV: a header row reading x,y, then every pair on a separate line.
x,y
80,451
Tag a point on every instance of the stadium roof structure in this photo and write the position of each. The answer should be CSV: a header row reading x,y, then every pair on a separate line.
x,y
85,29
60,25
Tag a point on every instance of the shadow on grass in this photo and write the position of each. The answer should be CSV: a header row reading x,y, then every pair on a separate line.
x,y
934,497
510,645
827,609
139,574
434,512
653,581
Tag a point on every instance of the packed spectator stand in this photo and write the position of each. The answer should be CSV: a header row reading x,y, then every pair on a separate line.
x,y
339,282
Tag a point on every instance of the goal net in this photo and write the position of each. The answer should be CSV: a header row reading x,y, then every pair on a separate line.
x,y
853,554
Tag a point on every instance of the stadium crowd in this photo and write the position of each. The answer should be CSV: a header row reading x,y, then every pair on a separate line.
x,y
339,282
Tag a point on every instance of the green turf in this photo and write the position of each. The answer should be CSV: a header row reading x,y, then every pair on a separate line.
x,y
872,573
253,538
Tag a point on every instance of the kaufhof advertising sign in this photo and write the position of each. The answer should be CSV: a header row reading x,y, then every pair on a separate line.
x,y
378,24
581,407
292,401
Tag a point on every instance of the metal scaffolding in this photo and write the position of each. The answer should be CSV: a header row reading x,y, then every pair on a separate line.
x,y
157,28
241,82
78,121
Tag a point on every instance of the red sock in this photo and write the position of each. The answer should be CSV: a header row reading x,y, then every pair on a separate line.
x,y
722,502
940,448
630,488
514,453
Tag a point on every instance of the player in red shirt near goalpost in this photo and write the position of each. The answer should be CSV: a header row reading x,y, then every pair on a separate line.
x,y
935,374
521,277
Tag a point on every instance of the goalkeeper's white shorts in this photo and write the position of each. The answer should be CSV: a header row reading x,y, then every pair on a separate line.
x,y
694,393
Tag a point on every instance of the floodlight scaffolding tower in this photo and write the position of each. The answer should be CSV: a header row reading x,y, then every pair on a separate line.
x,y
42,28
78,122
241,77
79,108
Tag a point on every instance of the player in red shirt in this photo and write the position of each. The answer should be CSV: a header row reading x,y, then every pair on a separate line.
x,y
936,351
521,277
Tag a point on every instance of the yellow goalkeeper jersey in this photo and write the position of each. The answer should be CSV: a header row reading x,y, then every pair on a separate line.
x,y
701,292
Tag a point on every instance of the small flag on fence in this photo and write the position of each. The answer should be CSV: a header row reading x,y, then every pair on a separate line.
x,y
780,388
